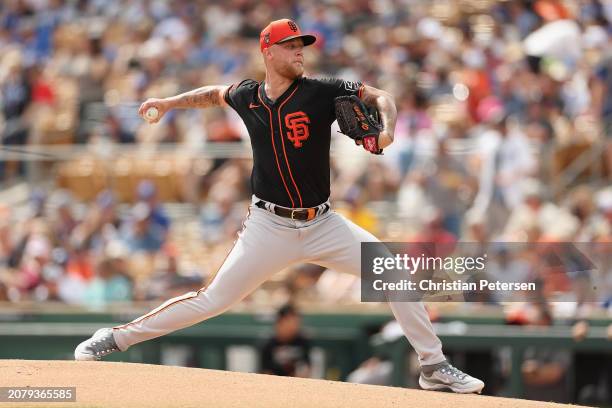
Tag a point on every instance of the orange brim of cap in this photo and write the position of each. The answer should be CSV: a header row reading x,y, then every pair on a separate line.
x,y
307,38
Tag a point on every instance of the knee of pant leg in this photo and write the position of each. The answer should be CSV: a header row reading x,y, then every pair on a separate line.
x,y
216,303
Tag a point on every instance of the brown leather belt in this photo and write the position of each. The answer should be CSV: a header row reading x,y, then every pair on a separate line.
x,y
301,214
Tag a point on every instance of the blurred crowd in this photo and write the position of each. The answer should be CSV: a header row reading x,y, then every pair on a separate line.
x,y
90,255
503,133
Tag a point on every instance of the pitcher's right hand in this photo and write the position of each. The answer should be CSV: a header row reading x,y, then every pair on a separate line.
x,y
162,106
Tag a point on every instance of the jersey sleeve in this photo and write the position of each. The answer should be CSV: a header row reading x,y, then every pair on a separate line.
x,y
239,94
331,88
339,87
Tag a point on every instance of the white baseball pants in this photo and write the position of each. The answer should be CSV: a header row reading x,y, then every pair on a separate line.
x,y
267,244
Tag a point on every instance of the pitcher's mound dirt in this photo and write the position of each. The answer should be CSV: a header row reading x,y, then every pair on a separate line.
x,y
108,384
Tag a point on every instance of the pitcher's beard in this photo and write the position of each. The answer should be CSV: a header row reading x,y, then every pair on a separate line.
x,y
292,72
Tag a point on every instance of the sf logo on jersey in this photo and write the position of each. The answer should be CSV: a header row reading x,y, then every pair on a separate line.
x,y
297,123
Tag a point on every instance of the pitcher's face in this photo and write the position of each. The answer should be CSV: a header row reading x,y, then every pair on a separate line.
x,y
286,58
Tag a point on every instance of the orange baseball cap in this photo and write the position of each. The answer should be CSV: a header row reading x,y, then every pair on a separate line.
x,y
280,31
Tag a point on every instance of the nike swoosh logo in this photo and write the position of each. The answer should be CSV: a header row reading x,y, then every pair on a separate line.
x,y
252,105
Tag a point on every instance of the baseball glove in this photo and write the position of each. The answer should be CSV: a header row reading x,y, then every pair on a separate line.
x,y
358,122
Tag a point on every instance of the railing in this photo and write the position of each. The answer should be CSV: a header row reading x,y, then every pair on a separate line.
x,y
340,335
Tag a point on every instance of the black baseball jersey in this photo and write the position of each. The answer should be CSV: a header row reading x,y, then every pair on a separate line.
x,y
283,357
290,137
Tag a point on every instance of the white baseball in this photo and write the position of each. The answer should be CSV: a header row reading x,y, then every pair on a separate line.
x,y
152,113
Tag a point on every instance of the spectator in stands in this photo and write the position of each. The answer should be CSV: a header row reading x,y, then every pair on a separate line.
x,y
581,204
168,280
111,284
73,279
16,97
598,227
602,89
147,193
449,185
62,221
506,161
475,229
3,292
357,211
117,132
6,236
412,199
36,257
100,225
435,232
140,232
505,265
219,217
80,263
37,204
528,220
287,352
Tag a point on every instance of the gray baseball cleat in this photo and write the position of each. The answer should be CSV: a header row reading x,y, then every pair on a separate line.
x,y
102,343
445,376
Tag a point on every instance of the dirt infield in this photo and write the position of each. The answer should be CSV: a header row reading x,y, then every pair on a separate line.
x,y
107,384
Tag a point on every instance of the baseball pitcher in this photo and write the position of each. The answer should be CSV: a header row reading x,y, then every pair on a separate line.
x,y
290,221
